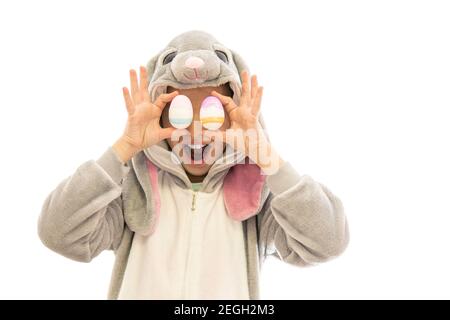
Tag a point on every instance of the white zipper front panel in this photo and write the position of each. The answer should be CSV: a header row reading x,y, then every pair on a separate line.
x,y
196,252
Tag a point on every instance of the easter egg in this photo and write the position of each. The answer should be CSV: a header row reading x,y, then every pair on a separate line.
x,y
211,113
180,112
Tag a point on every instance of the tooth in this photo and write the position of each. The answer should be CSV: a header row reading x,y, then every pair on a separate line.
x,y
196,146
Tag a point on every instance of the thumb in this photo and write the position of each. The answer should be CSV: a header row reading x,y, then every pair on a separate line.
x,y
166,133
227,102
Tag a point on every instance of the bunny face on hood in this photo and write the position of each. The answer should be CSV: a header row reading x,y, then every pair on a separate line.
x,y
195,59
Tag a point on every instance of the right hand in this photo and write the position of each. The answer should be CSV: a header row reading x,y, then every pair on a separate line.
x,y
142,129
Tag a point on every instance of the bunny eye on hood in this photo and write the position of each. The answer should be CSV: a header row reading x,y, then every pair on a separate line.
x,y
169,57
222,56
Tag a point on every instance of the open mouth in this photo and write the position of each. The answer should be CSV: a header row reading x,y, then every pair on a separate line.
x,y
195,152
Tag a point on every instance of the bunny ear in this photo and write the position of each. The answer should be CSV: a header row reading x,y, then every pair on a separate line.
x,y
239,63
151,66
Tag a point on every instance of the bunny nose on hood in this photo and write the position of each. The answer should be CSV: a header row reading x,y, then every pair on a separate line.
x,y
196,67
194,63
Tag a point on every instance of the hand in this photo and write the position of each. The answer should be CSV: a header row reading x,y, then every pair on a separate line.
x,y
246,115
142,128
245,125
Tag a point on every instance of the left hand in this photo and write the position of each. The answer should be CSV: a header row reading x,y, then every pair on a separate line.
x,y
244,121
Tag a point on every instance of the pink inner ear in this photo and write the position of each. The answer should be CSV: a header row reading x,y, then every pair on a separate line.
x,y
242,189
153,173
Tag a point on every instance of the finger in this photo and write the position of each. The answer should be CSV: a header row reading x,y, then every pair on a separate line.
x,y
134,87
227,102
256,106
128,101
254,86
245,88
144,84
164,98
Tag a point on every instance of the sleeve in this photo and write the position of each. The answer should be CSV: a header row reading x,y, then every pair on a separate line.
x,y
302,222
83,215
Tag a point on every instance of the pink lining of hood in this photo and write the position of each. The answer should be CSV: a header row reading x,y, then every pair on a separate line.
x,y
153,172
242,189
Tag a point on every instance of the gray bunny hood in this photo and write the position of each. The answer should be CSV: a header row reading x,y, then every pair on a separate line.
x,y
194,59
244,187
219,65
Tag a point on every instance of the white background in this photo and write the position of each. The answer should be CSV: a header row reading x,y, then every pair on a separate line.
x,y
356,95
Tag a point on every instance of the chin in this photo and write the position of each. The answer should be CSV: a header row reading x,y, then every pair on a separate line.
x,y
197,170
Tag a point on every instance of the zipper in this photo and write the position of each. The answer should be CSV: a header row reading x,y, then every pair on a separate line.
x,y
194,199
187,279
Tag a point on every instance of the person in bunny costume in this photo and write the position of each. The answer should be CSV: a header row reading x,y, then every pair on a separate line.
x,y
189,213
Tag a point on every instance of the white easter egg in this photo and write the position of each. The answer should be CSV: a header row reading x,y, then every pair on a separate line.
x,y
180,112
212,115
